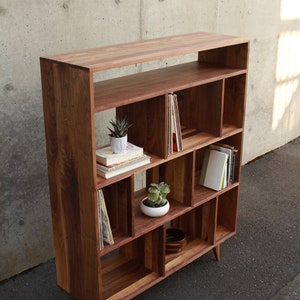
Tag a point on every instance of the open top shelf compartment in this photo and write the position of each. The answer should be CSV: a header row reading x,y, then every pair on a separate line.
x,y
142,86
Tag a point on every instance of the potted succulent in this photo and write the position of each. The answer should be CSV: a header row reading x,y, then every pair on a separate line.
x,y
118,134
156,203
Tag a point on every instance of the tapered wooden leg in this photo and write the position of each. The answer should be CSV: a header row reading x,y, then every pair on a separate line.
x,y
217,251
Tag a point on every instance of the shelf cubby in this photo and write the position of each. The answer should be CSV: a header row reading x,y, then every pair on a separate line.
x,y
149,119
117,198
177,173
138,263
144,223
198,223
227,206
232,56
200,108
233,106
198,226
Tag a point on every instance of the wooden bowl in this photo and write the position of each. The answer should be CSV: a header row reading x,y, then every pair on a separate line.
x,y
175,240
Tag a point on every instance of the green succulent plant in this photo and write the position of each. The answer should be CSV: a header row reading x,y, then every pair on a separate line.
x,y
157,194
119,127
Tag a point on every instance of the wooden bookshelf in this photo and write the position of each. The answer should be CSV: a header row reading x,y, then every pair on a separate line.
x,y
211,102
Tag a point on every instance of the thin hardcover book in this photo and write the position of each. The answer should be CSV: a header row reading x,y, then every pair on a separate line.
x,y
124,167
214,169
107,157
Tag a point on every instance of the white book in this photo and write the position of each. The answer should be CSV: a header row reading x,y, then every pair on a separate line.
x,y
107,157
121,165
213,169
143,160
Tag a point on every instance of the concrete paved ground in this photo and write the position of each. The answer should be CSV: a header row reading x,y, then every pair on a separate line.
x,y
261,262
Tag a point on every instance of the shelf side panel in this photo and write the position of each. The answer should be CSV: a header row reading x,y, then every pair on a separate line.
x,y
70,147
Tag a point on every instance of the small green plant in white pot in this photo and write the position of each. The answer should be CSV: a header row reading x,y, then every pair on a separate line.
x,y
156,203
118,134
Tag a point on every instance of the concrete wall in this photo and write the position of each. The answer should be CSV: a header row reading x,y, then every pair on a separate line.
x,y
31,28
273,100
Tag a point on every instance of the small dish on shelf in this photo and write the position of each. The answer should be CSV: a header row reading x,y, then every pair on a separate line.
x,y
175,240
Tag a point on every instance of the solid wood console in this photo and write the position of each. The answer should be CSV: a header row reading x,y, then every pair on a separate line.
x,y
211,101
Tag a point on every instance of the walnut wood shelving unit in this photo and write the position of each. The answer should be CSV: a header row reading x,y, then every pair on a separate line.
x,y
211,98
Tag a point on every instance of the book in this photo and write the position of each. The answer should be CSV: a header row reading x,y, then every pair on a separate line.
x,y
126,166
229,150
174,127
174,136
213,173
232,159
178,133
121,165
105,231
170,125
107,157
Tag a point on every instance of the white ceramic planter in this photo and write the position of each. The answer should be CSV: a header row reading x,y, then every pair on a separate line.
x,y
118,145
155,211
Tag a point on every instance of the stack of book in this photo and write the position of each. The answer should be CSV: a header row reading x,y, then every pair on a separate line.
x,y
105,233
110,164
219,166
174,130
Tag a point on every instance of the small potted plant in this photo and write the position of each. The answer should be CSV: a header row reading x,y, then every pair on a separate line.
x,y
156,203
118,134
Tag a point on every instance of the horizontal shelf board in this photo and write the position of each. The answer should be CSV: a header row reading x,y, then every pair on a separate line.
x,y
132,88
108,57
119,272
190,252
